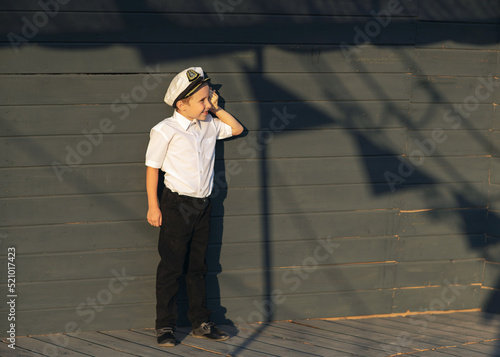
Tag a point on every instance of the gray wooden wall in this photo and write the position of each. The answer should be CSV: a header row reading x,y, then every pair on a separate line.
x,y
366,182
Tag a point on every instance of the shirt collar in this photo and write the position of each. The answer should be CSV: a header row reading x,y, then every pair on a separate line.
x,y
183,121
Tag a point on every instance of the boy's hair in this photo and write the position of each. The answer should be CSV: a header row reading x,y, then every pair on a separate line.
x,y
185,101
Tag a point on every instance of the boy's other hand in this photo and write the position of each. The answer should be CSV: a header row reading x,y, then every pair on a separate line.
x,y
214,100
154,217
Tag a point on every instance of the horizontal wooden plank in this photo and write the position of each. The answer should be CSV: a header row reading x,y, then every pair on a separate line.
x,y
448,221
459,11
301,281
466,92
132,206
374,170
73,209
83,88
132,263
122,264
492,275
448,143
449,117
77,180
274,117
457,35
149,88
496,115
419,274
233,173
337,304
106,291
494,195
321,115
302,253
313,7
446,62
440,196
490,300
451,247
496,93
80,237
495,142
72,27
493,229
230,284
306,225
74,119
308,199
138,234
444,169
220,58
495,170
88,319
492,249
62,153
442,298
316,143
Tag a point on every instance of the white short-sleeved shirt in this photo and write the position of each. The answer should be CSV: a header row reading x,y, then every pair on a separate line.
x,y
185,151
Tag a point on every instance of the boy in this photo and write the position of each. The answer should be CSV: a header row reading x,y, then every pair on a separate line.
x,y
183,146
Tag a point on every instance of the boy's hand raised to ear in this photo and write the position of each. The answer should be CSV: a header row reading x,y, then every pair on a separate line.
x,y
224,116
214,100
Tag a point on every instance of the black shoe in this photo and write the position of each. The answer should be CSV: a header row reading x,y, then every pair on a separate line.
x,y
209,331
166,337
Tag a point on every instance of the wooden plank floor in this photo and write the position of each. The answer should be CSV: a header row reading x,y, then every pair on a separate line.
x,y
463,334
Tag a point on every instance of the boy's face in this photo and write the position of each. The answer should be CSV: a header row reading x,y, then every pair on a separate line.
x,y
198,106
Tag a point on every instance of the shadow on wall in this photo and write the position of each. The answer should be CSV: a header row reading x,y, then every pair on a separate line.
x,y
331,76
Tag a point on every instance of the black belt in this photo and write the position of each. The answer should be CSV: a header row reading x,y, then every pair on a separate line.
x,y
190,199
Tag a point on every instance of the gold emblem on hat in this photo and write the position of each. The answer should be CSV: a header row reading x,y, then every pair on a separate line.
x,y
192,75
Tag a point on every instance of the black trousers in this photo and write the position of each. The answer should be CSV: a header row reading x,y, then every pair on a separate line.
x,y
184,234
